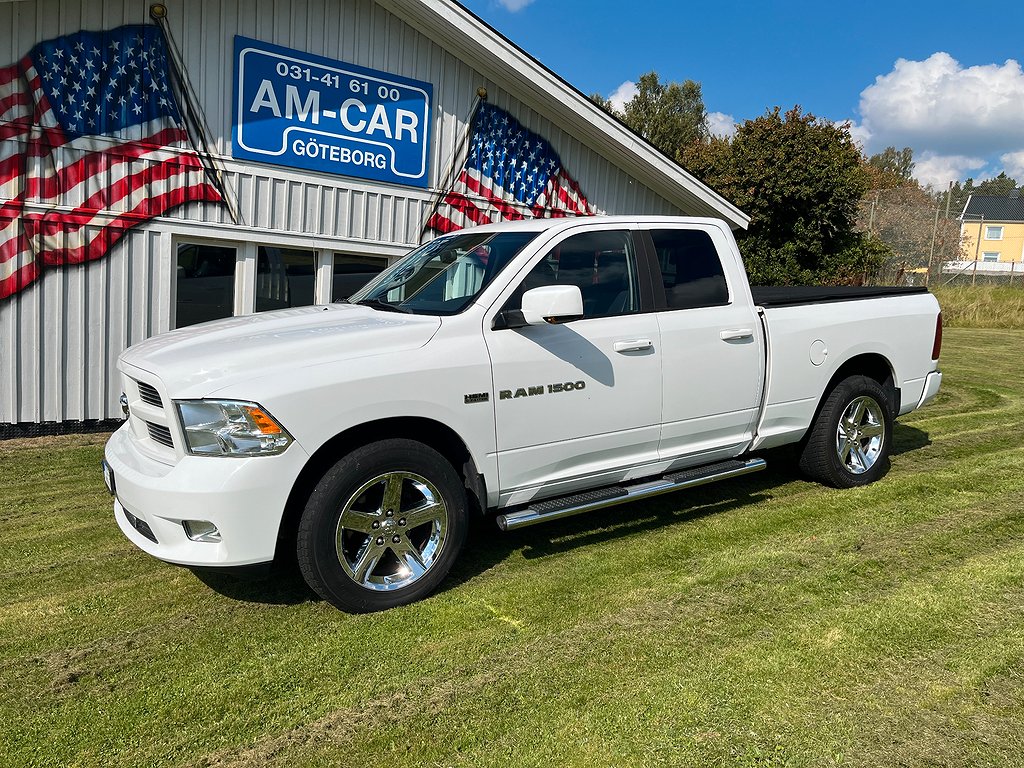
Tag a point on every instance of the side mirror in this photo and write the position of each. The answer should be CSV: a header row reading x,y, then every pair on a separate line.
x,y
552,304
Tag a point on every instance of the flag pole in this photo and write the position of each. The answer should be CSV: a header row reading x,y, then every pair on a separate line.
x,y
448,179
192,113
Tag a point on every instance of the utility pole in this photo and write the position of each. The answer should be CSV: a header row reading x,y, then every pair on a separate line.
x,y
949,198
977,249
931,252
871,216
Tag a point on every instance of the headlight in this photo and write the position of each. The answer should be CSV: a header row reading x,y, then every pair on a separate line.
x,y
230,428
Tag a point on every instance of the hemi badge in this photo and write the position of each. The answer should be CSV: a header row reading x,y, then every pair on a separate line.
x,y
479,397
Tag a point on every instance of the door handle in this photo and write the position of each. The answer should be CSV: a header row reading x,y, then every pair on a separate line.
x,y
736,334
633,345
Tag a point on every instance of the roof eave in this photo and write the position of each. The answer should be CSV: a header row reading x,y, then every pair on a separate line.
x,y
499,59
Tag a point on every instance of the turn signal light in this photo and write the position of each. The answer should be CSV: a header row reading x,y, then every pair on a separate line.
x,y
262,421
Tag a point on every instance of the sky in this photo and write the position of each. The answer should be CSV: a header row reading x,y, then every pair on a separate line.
x,y
944,79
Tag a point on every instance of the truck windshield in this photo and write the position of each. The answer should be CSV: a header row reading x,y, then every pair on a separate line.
x,y
445,275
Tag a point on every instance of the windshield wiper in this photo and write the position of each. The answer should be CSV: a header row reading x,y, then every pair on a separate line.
x,y
382,305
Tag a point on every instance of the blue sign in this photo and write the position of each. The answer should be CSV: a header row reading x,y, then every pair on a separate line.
x,y
305,111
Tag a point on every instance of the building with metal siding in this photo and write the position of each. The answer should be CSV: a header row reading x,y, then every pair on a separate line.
x,y
61,334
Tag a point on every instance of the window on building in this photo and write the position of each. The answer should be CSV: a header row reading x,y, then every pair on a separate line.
x,y
352,272
601,264
205,283
285,277
993,233
690,268
990,256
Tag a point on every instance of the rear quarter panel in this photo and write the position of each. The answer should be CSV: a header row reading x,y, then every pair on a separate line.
x,y
899,328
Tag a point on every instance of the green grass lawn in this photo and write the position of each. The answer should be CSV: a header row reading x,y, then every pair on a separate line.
x,y
764,621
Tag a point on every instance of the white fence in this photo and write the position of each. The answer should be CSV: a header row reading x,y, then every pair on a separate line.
x,y
986,267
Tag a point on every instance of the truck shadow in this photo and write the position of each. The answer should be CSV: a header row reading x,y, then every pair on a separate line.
x,y
906,439
280,584
487,546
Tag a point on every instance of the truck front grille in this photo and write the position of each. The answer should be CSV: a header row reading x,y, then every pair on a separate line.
x,y
160,434
149,395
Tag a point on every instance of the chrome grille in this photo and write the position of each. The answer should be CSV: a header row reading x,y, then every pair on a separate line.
x,y
149,395
160,434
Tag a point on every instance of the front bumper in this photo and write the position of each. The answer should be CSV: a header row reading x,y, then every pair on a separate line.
x,y
243,497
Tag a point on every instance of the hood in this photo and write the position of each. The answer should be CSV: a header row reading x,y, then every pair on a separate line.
x,y
196,361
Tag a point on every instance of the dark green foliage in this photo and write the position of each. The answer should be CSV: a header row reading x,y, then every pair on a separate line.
x,y
603,103
800,179
1000,185
897,163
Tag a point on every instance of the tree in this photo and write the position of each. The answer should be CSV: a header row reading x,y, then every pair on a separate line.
x,y
1000,185
894,163
671,117
603,103
902,215
909,221
800,179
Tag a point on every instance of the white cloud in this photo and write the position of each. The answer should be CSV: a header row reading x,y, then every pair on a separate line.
x,y
1013,164
622,94
934,170
941,106
721,124
514,5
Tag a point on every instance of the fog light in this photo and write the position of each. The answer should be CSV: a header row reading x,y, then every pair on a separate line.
x,y
200,530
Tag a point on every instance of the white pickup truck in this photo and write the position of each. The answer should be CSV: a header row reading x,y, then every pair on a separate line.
x,y
530,371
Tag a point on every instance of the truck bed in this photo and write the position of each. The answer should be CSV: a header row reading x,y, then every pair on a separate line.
x,y
791,295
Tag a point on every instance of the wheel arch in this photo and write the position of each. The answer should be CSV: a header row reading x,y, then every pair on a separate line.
x,y
874,366
871,364
435,434
821,456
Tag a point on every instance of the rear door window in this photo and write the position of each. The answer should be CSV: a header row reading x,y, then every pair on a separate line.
x,y
690,268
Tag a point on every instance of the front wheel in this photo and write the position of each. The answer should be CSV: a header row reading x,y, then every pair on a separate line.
x,y
849,442
383,527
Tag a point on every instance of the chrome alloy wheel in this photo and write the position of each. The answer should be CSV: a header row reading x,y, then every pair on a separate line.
x,y
861,435
391,530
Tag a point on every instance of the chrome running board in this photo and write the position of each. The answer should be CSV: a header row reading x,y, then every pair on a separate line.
x,y
566,506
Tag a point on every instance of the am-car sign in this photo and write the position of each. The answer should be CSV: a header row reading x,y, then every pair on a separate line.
x,y
305,111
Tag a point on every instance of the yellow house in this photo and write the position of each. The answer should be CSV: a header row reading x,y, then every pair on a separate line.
x,y
992,229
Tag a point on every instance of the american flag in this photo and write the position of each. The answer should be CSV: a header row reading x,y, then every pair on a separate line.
x,y
510,173
91,144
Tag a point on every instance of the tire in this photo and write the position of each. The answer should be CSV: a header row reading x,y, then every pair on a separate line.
x,y
383,527
849,443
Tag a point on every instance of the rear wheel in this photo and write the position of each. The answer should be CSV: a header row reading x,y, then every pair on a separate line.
x,y
383,526
849,442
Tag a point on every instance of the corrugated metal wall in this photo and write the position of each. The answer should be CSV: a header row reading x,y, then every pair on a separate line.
x,y
60,337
